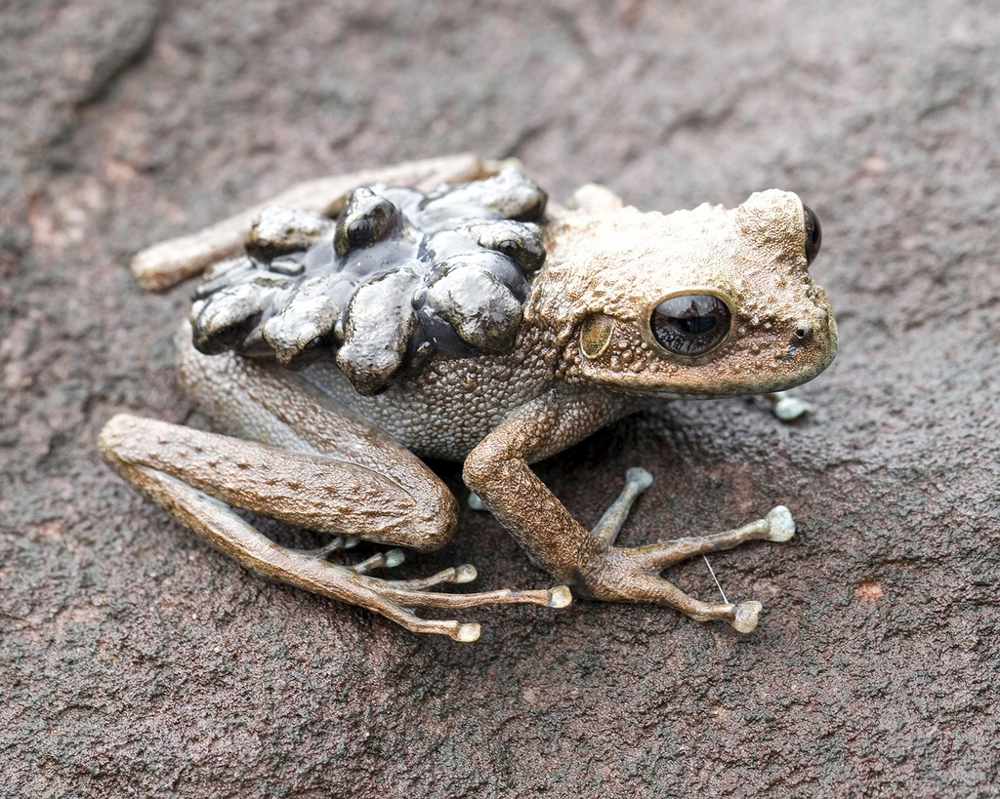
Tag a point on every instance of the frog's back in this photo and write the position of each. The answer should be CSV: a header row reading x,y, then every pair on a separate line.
x,y
395,280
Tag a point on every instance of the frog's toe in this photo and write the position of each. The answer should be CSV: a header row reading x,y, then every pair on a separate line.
x,y
624,579
383,560
335,544
463,632
746,616
467,633
637,480
787,407
781,524
560,596
453,575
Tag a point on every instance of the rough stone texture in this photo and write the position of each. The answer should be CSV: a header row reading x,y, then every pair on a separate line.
x,y
137,661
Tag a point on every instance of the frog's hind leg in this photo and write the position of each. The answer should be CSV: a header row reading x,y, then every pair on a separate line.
x,y
777,526
197,476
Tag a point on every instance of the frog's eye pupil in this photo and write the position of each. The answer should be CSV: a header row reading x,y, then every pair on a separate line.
x,y
690,324
814,233
359,232
227,335
697,325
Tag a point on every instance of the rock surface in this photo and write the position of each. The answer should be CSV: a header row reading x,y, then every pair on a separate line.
x,y
135,660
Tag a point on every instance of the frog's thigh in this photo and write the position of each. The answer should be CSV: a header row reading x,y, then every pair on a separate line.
x,y
319,492
314,463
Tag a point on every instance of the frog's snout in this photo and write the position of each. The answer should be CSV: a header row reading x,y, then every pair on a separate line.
x,y
812,340
802,333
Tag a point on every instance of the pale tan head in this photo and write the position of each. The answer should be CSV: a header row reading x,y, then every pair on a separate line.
x,y
702,303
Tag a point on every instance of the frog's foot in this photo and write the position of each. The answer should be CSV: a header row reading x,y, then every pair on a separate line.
x,y
633,574
787,407
216,523
393,599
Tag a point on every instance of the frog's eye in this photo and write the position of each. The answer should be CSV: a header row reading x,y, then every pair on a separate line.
x,y
690,324
814,233
359,232
367,219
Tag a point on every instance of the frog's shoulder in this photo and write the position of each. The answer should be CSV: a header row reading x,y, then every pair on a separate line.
x,y
391,277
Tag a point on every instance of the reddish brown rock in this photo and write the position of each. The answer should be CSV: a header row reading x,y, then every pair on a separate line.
x,y
135,659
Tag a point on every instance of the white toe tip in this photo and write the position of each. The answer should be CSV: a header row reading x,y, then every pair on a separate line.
x,y
747,615
788,409
467,633
639,477
560,596
782,524
465,573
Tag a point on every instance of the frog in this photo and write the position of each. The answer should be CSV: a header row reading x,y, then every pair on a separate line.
x,y
616,311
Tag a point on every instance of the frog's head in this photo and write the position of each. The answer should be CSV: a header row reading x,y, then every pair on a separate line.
x,y
703,303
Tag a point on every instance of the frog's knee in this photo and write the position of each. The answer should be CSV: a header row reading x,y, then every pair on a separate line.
x,y
107,438
116,435
438,520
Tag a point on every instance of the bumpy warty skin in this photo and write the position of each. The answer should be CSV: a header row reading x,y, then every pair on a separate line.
x,y
621,265
398,276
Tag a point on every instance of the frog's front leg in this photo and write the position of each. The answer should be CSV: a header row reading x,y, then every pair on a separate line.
x,y
498,471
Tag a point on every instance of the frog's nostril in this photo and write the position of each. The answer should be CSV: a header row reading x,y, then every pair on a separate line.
x,y
802,333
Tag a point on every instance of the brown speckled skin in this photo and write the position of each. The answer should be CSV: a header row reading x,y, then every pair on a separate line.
x,y
343,462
